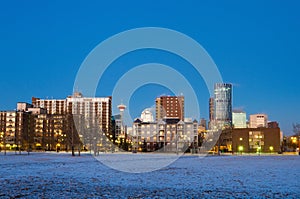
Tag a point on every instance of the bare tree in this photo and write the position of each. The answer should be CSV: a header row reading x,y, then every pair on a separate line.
x,y
296,129
73,138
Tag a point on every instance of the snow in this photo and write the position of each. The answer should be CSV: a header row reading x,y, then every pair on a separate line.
x,y
59,175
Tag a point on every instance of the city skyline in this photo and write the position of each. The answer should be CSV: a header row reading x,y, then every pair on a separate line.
x,y
42,50
164,104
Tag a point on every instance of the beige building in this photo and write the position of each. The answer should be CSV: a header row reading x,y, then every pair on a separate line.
x,y
14,127
53,106
27,130
23,106
11,127
51,124
170,135
258,120
97,111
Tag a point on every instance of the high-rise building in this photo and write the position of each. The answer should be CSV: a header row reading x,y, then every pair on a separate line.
x,y
51,132
89,117
211,112
258,120
23,106
14,127
211,109
203,123
116,125
53,106
170,107
147,115
2,125
11,127
223,104
239,119
97,111
122,108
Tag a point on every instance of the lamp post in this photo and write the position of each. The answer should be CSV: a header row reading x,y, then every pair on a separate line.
x,y
298,144
259,149
241,148
176,142
271,149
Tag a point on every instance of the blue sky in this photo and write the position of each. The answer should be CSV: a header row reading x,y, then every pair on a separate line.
x,y
255,45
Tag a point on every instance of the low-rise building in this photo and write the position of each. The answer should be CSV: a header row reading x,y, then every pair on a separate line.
x,y
169,135
251,140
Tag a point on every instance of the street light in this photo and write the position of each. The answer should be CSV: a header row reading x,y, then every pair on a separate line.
x,y
271,149
299,144
258,149
241,148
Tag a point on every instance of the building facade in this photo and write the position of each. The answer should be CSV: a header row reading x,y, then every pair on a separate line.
x,y
165,135
258,120
15,127
273,124
26,130
147,116
116,126
256,140
97,111
93,114
170,107
239,119
50,124
211,109
53,106
223,104
251,140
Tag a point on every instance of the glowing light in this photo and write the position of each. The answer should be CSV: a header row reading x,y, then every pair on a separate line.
x,y
241,148
294,139
258,149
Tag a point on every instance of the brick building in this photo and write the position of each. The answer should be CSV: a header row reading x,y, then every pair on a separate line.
x,y
250,140
170,107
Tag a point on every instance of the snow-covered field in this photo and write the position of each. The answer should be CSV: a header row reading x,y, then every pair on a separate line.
x,y
51,175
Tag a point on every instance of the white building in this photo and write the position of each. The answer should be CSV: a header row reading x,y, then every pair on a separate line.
x,y
53,106
239,119
164,135
147,115
95,110
92,114
258,120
